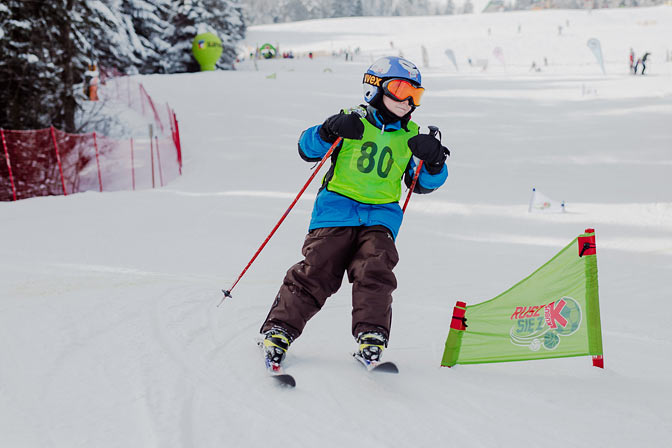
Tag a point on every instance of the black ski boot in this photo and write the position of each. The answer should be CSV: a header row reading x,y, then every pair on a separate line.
x,y
276,342
371,345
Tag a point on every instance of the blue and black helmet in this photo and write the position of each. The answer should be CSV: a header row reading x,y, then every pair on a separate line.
x,y
385,68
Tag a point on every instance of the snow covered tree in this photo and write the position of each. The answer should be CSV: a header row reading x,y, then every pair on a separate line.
x,y
47,46
126,35
275,11
446,8
179,36
191,17
340,8
39,64
46,49
468,7
29,79
146,23
227,21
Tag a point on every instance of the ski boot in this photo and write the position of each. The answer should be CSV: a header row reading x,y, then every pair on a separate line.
x,y
275,344
371,345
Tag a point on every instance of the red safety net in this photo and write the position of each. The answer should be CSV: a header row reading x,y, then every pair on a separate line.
x,y
51,162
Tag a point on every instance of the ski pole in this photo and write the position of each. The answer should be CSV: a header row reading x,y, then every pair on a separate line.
x,y
433,130
415,179
227,292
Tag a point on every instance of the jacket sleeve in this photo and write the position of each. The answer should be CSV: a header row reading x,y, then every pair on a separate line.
x,y
311,147
426,182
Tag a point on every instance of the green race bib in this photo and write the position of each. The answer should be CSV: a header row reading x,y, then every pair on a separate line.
x,y
370,170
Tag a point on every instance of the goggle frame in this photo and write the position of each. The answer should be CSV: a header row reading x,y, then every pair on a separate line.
x,y
409,91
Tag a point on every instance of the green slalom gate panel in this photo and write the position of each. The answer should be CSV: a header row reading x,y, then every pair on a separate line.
x,y
553,313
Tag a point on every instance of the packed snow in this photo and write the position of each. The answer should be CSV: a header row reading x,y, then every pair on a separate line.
x,y
110,334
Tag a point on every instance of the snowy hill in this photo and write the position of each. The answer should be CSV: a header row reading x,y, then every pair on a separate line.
x,y
109,330
560,36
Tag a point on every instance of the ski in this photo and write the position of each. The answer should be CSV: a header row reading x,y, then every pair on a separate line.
x,y
372,366
283,379
276,372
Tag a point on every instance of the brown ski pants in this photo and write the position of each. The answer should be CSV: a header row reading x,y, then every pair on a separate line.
x,y
368,254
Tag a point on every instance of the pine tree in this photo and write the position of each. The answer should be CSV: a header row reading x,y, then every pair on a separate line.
x,y
226,20
147,23
34,74
46,49
351,8
191,17
468,7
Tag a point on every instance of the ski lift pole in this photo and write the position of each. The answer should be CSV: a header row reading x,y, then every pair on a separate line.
x,y
227,292
433,130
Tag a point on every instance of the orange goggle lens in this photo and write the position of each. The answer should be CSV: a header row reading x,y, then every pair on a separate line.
x,y
401,90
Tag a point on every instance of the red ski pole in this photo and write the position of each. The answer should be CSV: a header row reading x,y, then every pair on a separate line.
x,y
415,180
433,130
227,292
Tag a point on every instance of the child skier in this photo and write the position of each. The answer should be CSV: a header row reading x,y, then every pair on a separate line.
x,y
357,215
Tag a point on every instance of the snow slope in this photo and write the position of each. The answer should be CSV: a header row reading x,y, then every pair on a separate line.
x,y
109,331
522,36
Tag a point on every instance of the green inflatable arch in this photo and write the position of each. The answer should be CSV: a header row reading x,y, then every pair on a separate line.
x,y
268,51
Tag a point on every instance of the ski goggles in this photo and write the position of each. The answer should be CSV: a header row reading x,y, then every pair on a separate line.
x,y
402,90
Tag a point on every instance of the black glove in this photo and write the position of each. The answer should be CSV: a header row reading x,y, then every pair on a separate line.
x,y
342,125
428,149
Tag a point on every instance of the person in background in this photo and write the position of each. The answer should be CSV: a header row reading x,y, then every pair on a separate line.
x,y
91,81
644,58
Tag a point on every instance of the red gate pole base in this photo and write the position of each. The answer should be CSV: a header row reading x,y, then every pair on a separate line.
x,y
598,361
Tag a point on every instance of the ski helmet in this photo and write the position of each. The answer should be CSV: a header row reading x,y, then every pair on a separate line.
x,y
388,67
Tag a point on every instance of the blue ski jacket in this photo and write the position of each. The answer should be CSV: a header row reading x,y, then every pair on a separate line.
x,y
335,210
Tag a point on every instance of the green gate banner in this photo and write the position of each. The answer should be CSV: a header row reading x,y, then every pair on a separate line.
x,y
553,313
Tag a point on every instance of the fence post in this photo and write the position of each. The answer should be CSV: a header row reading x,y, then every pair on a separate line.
x,y
158,157
58,159
151,151
157,118
100,179
9,164
132,165
142,99
172,126
170,121
179,144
